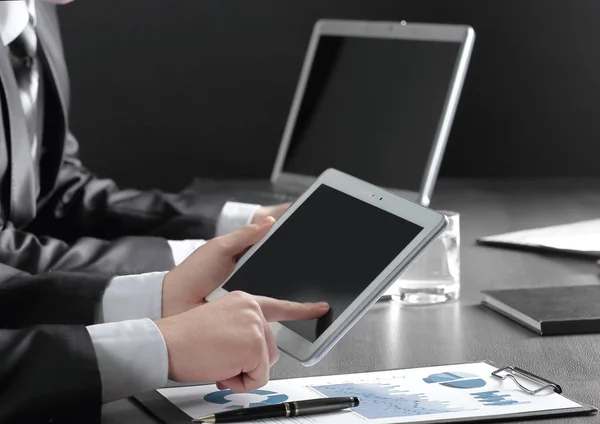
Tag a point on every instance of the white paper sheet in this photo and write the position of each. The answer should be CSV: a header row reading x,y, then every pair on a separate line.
x,y
399,396
579,237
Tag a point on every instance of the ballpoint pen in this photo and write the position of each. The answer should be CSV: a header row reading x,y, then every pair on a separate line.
x,y
281,410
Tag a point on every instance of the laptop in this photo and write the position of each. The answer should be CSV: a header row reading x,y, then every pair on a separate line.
x,y
375,100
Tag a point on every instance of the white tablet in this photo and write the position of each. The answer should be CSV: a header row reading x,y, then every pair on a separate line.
x,y
344,241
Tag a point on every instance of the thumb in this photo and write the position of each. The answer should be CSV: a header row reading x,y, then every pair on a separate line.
x,y
237,242
283,310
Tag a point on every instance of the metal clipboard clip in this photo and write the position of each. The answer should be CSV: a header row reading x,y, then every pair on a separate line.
x,y
513,373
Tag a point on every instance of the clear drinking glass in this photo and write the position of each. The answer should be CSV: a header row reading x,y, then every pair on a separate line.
x,y
435,276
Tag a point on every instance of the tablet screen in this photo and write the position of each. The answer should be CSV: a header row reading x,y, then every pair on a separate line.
x,y
330,249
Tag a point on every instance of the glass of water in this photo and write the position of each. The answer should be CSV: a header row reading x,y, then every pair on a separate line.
x,y
435,276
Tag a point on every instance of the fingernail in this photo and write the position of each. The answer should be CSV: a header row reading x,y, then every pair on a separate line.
x,y
266,221
323,305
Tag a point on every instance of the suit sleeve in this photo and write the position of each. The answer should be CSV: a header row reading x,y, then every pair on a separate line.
x,y
83,205
51,298
48,372
33,253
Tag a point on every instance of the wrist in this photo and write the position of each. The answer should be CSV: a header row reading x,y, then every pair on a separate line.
x,y
174,301
166,328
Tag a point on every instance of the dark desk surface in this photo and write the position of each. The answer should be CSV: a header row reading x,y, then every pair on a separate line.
x,y
390,336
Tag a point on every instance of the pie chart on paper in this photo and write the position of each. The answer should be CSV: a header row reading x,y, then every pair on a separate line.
x,y
228,399
456,380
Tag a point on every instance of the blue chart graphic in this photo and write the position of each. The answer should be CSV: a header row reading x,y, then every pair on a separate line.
x,y
237,401
456,380
386,400
493,398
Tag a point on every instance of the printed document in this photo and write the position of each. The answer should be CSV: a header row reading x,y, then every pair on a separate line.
x,y
434,394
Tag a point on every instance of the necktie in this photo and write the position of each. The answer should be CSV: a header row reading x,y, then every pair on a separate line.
x,y
25,62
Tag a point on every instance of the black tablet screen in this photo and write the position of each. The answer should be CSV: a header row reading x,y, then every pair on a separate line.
x,y
330,249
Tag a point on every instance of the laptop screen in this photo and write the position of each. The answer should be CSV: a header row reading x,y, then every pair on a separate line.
x,y
371,108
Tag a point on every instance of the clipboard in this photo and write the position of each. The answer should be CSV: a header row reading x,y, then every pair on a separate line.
x,y
533,385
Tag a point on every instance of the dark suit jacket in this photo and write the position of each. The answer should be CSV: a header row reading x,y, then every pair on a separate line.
x,y
79,222
48,368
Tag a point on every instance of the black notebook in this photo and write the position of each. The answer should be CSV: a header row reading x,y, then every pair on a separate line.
x,y
550,310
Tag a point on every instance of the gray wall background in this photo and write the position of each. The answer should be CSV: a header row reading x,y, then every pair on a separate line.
x,y
165,90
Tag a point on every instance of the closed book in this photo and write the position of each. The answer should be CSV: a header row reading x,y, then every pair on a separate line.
x,y
550,310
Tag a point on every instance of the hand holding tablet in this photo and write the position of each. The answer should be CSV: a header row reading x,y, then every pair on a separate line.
x,y
343,242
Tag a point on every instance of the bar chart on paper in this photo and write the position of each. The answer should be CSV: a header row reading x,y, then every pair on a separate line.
x,y
495,398
386,400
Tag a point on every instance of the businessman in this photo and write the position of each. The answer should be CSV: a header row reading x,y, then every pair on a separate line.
x,y
54,213
70,341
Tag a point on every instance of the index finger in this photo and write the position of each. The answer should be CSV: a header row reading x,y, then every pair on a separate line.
x,y
284,310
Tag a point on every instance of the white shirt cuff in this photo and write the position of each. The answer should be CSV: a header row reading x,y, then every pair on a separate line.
x,y
181,249
132,357
132,297
234,216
